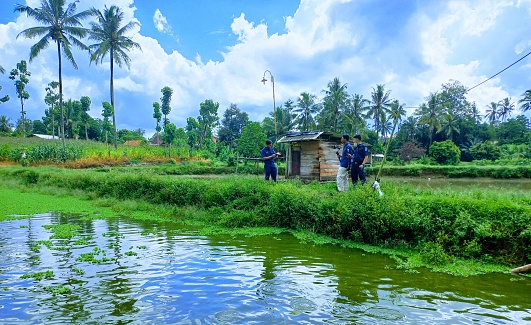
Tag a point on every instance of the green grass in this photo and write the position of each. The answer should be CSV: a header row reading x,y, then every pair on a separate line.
x,y
460,232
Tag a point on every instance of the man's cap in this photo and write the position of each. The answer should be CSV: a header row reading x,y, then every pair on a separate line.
x,y
357,136
269,142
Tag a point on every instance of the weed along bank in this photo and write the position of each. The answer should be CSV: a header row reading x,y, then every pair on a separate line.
x,y
312,155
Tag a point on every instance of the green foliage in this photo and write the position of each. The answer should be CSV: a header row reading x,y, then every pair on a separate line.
x,y
440,224
252,140
485,150
445,152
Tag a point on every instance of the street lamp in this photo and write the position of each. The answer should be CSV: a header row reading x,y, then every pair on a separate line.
x,y
274,104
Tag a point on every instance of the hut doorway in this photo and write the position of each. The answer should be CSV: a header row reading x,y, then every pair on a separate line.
x,y
296,163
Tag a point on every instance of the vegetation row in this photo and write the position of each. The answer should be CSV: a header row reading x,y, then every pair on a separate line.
x,y
441,224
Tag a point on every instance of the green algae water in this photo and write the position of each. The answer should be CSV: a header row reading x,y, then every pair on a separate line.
x,y
63,269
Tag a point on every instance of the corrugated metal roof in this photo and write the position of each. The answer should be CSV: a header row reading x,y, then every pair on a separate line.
x,y
302,136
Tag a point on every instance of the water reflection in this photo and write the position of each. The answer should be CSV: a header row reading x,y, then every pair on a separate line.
x,y
161,274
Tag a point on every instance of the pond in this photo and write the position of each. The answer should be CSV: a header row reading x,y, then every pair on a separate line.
x,y
463,183
119,271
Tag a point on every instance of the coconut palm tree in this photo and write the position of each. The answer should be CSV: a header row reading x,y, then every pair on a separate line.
x,y
61,26
409,126
335,100
380,105
109,34
449,125
5,124
353,116
505,107
430,115
306,107
492,112
525,101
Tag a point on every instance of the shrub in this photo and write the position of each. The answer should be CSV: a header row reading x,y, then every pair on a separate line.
x,y
445,152
485,150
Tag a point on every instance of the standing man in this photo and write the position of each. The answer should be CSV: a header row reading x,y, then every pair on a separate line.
x,y
359,159
344,164
269,155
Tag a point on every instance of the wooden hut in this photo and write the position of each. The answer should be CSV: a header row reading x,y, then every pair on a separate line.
x,y
312,155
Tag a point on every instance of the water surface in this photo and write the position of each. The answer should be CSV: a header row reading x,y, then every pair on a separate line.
x,y
166,274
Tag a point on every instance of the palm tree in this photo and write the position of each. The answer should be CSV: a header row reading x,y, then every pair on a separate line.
x,y
525,101
62,26
5,124
475,114
111,40
505,107
380,104
449,125
306,107
335,100
352,116
492,112
409,126
430,115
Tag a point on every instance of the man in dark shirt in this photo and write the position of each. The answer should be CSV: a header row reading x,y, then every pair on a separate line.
x,y
268,155
359,159
344,164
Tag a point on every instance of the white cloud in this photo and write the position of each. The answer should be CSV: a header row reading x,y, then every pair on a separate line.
x,y
322,40
161,23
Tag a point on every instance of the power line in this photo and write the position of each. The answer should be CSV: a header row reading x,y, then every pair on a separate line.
x,y
479,84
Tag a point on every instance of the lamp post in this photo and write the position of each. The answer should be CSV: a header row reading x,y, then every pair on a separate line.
x,y
274,104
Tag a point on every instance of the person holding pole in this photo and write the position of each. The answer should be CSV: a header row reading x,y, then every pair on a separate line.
x,y
344,164
268,155
359,159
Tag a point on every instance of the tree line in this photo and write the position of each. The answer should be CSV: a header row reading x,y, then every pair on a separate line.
x,y
445,114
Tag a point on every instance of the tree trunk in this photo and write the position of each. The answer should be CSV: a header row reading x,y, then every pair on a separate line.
x,y
112,101
522,269
62,133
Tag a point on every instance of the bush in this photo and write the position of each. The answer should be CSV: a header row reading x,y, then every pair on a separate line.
x,y
445,152
485,151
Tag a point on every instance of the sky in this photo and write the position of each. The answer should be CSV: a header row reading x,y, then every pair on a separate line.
x,y
220,50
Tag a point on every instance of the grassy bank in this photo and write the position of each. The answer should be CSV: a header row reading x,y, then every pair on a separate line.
x,y
459,171
436,227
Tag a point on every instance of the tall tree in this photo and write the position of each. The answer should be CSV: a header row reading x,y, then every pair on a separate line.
x,y
167,92
252,140
449,126
85,118
170,134
306,108
429,115
380,105
505,108
109,34
51,100
208,119
525,101
106,124
232,124
20,75
157,115
492,112
62,26
335,101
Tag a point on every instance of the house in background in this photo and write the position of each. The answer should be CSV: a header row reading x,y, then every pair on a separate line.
x,y
44,136
312,155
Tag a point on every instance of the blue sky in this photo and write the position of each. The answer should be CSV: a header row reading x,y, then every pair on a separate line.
x,y
219,50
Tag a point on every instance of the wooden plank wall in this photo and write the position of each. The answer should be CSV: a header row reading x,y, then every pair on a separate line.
x,y
328,161
310,160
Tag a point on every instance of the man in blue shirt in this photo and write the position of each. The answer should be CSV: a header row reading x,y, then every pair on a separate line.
x,y
359,159
344,164
268,155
